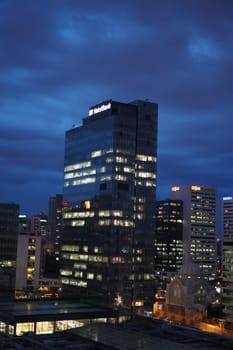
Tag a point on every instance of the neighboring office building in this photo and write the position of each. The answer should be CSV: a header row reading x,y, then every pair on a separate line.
x,y
24,223
200,228
35,267
227,256
169,240
39,225
28,264
55,221
107,250
9,213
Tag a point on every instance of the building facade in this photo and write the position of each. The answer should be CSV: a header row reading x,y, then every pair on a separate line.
x,y
227,256
169,240
9,213
39,225
107,250
28,263
200,225
55,221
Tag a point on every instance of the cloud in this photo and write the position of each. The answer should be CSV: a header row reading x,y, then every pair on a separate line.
x,y
60,57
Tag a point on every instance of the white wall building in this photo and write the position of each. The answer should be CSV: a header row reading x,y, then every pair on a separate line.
x,y
28,262
200,225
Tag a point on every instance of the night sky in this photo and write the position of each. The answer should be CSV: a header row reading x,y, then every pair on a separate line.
x,y
59,57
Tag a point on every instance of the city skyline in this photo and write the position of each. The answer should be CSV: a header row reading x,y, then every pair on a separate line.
x,y
60,58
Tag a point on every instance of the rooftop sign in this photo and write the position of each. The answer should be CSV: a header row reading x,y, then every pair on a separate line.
x,y
195,188
99,109
175,188
227,198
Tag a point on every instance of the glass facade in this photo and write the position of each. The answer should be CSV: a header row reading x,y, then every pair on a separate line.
x,y
227,256
9,213
107,250
169,240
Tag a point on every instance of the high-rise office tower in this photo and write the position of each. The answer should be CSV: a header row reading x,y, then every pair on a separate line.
x,y
169,240
9,213
107,250
55,221
199,229
227,256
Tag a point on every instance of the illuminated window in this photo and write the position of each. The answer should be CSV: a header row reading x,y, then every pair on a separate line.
x,y
106,178
95,258
145,174
150,184
102,169
30,269
78,274
104,213
73,256
90,276
119,177
65,281
71,248
45,327
117,213
121,159
128,170
145,158
80,174
83,214
84,181
65,272
140,216
22,328
87,204
139,303
126,223
75,223
80,266
104,222
77,166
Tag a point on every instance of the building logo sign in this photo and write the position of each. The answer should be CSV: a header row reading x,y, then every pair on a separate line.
x,y
227,198
99,109
195,188
175,188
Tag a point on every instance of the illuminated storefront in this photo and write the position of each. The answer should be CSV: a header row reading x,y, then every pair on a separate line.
x,y
48,317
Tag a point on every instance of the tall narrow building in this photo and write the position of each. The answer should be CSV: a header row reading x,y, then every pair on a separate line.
x,y
55,221
28,263
227,256
107,249
9,213
200,227
169,240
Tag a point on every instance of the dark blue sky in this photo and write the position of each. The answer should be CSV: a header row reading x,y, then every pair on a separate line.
x,y
59,57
